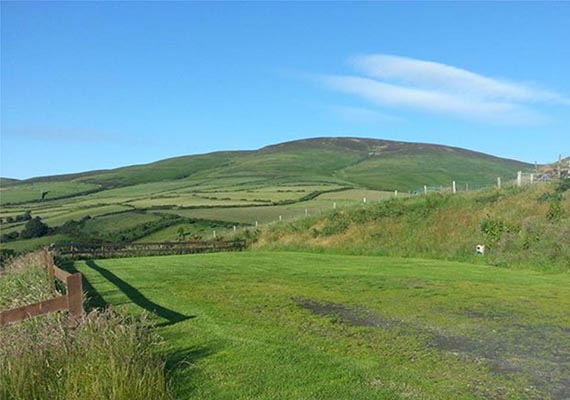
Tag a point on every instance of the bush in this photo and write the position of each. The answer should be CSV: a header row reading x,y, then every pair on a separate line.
x,y
563,185
34,228
555,211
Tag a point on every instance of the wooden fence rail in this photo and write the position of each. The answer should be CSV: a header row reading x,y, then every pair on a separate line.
x,y
71,301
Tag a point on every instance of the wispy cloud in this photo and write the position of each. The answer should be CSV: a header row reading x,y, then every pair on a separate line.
x,y
439,88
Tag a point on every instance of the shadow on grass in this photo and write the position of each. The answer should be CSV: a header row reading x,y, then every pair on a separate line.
x,y
179,368
94,299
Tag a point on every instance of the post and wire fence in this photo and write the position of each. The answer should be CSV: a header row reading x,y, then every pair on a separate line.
x,y
521,179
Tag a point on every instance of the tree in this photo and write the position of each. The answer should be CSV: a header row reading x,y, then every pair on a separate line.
x,y
181,234
34,228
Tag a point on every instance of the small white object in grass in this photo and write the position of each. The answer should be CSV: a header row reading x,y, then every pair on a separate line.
x,y
334,205
480,249
364,199
280,218
235,228
256,224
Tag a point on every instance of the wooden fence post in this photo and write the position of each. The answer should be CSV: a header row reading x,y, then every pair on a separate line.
x,y
48,262
75,295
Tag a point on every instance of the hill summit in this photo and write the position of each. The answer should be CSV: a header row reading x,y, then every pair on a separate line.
x,y
365,162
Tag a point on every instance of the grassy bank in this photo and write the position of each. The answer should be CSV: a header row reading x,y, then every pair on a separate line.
x,y
286,325
106,356
521,228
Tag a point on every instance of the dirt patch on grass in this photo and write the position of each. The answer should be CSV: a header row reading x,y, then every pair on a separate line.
x,y
339,312
540,354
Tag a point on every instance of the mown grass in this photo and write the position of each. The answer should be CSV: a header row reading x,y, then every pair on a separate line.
x,y
517,226
105,356
285,325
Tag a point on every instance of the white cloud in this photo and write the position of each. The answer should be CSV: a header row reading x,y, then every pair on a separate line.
x,y
439,88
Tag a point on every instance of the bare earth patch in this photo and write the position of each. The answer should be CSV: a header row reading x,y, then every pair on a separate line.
x,y
539,353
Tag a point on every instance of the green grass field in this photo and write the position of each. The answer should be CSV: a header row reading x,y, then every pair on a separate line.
x,y
286,325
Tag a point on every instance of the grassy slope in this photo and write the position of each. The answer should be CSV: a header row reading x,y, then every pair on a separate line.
x,y
408,172
323,158
520,233
227,180
389,328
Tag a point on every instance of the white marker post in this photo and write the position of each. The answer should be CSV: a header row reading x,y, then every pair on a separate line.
x,y
498,182
235,228
306,212
453,188
256,224
280,218
364,199
395,193
334,206
425,189
519,178
214,234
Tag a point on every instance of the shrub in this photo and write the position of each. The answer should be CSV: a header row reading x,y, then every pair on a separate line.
x,y
555,211
34,228
563,185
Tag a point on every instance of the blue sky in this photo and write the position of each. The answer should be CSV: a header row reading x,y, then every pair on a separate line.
x,y
101,85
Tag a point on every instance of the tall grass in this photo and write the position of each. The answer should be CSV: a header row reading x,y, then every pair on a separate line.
x,y
521,228
104,356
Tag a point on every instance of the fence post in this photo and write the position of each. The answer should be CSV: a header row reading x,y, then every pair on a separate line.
x,y
280,218
334,206
235,228
214,234
519,178
395,193
48,260
531,179
75,295
453,188
425,189
498,182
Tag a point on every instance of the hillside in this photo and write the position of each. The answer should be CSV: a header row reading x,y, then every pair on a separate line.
x,y
372,163
211,192
525,227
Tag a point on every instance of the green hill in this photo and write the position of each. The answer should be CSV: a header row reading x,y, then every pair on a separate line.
x,y
371,163
216,191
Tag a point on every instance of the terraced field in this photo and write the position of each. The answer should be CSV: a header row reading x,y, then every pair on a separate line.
x,y
216,191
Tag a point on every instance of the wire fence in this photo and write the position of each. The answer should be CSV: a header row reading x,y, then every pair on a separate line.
x,y
521,179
